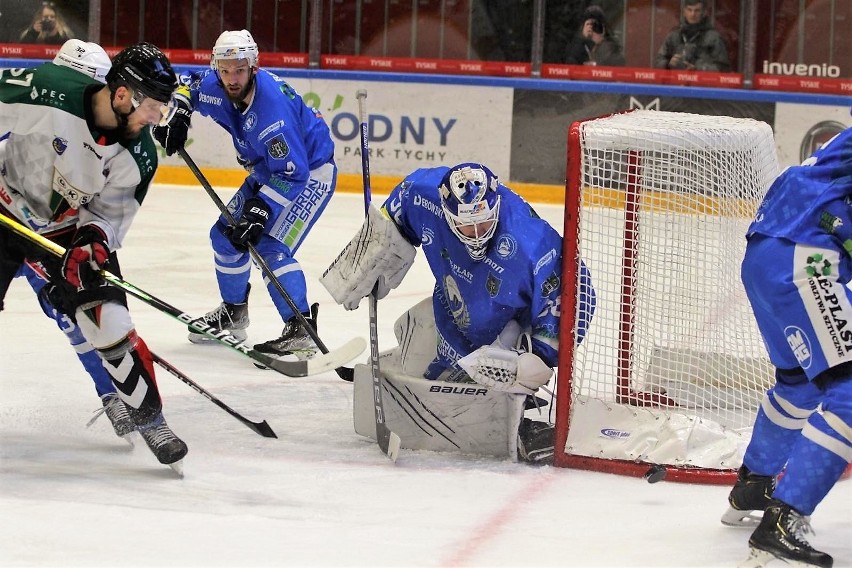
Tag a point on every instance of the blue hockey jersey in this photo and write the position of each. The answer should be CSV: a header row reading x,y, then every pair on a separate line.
x,y
519,278
812,203
278,139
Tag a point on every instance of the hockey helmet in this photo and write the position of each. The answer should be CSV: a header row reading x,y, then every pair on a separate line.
x,y
471,205
234,45
146,70
86,57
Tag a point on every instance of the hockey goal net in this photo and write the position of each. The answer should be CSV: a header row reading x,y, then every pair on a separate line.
x,y
673,367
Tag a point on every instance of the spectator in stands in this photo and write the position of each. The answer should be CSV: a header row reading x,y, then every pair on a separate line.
x,y
694,44
595,44
48,26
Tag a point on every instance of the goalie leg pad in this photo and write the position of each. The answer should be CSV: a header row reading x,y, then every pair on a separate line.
x,y
377,254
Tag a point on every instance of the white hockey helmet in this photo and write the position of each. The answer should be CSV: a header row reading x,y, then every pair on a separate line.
x,y
86,57
234,45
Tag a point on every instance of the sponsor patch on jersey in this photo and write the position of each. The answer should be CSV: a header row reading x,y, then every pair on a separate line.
x,y
825,301
492,284
71,194
550,285
428,237
278,147
829,223
549,256
800,344
250,123
506,246
271,128
60,145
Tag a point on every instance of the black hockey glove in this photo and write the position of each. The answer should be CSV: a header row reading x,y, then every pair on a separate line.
x,y
84,259
250,226
173,135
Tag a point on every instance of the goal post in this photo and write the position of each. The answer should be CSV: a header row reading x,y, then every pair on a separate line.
x,y
672,368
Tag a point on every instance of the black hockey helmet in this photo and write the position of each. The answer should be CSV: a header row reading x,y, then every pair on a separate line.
x,y
145,69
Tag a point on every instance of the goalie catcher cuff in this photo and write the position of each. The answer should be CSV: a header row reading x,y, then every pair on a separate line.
x,y
377,254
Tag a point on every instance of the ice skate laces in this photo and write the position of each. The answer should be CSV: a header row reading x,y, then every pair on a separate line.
x,y
799,528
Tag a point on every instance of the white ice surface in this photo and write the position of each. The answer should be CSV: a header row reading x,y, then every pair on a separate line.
x,y
319,495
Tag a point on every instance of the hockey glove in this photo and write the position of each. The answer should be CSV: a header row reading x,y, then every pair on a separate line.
x,y
250,226
85,258
173,135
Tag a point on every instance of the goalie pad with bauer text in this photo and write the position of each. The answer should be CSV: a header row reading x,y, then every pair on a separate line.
x,y
378,255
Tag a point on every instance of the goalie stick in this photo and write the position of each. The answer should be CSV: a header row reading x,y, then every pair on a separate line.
x,y
315,365
262,428
388,441
344,373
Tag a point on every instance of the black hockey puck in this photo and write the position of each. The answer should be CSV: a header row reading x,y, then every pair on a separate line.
x,y
655,473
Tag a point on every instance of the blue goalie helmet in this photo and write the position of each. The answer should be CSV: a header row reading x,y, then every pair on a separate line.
x,y
471,205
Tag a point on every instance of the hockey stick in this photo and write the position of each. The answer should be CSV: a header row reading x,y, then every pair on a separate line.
x,y
261,428
388,441
319,364
344,373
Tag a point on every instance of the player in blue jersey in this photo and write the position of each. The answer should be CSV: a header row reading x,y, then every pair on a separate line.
x,y
796,272
289,154
497,268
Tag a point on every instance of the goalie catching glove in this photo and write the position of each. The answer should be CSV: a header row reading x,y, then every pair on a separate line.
x,y
378,255
508,370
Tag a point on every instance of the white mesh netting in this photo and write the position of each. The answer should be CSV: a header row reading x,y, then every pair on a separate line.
x,y
673,367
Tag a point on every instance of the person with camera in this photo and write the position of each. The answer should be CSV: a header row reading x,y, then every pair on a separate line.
x,y
694,45
48,26
595,45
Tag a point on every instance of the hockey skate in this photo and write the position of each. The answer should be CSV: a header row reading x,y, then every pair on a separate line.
x,y
230,317
166,447
115,410
781,534
535,442
750,493
294,340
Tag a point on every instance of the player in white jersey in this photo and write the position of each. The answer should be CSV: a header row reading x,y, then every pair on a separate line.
x,y
91,60
289,154
76,166
796,271
497,266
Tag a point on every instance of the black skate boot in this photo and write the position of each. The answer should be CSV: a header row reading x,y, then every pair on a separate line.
x,y
535,442
781,534
294,339
230,317
168,448
751,493
115,410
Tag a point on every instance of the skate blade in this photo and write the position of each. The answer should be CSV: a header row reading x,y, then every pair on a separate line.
x,y
201,339
757,559
129,439
761,558
177,467
742,519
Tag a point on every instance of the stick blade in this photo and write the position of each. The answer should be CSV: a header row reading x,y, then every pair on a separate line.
x,y
389,442
321,363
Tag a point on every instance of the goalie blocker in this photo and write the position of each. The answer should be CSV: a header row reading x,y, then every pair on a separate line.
x,y
464,417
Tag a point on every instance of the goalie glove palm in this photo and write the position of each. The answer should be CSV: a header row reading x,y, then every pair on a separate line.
x,y
85,258
506,370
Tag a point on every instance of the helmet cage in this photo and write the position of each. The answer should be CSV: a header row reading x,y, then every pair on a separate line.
x,y
469,199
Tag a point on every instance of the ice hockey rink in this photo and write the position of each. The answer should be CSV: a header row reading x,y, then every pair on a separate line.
x,y
319,495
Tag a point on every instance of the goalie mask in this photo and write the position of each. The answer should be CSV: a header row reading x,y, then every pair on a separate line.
x,y
87,58
471,205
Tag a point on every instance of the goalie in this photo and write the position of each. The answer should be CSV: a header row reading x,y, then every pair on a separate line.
x,y
493,318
